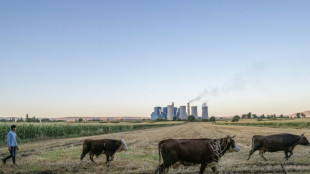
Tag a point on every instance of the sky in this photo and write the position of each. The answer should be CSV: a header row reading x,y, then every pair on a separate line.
x,y
122,58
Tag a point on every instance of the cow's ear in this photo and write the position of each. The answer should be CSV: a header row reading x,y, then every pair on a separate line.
x,y
303,134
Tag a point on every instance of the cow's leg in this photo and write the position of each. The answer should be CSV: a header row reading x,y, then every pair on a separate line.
x,y
203,167
214,169
83,155
261,153
291,153
250,153
286,155
91,157
107,156
167,170
160,169
165,166
112,157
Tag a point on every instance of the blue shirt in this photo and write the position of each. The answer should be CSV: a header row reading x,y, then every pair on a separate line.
x,y
12,139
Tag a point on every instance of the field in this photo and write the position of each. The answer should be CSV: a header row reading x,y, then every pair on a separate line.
x,y
279,122
62,155
28,132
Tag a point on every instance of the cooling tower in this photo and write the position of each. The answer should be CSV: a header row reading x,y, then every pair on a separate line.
x,y
205,112
183,114
170,113
188,109
194,112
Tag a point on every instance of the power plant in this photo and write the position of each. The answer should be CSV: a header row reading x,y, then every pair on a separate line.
x,y
173,113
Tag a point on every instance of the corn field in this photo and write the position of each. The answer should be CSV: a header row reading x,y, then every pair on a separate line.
x,y
30,132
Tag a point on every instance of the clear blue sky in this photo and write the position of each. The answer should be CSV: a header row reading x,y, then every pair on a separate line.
x,y
111,58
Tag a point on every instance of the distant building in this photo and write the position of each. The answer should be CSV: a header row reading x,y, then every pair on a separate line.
x,y
159,113
171,112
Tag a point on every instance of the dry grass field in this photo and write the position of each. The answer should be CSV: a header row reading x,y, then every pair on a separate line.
x,y
62,155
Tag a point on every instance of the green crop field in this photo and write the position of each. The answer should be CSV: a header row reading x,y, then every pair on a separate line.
x,y
38,131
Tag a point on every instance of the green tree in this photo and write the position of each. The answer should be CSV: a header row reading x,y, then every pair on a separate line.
x,y
212,119
298,115
254,116
80,119
302,115
174,118
191,118
262,116
235,118
27,118
281,116
244,116
249,115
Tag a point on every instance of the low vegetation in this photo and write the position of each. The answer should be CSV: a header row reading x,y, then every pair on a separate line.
x,y
37,131
275,123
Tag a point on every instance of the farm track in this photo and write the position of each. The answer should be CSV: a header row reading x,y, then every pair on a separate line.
x,y
62,155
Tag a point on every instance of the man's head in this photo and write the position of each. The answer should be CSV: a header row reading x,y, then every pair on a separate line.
x,y
13,128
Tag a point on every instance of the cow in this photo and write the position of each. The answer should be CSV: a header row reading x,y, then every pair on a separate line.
x,y
189,152
103,146
278,142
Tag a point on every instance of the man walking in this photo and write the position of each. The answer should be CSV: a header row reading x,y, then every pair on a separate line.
x,y
12,144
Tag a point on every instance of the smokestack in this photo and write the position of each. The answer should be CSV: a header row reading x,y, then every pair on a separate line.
x,y
188,109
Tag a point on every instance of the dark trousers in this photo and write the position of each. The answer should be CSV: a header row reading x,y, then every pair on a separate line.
x,y
12,154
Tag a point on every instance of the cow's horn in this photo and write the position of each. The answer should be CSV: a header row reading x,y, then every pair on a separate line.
x,y
233,136
303,134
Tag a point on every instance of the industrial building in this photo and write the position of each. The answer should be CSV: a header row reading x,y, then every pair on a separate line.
x,y
171,112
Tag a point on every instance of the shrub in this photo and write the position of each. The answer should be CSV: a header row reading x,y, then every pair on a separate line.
x,y
235,118
191,118
212,119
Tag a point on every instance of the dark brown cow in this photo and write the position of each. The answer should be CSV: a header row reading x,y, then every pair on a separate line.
x,y
193,151
278,142
103,146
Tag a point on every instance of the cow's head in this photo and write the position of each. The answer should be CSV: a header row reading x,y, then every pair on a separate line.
x,y
123,145
232,147
303,140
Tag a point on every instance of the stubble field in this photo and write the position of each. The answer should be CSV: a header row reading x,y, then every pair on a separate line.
x,y
62,155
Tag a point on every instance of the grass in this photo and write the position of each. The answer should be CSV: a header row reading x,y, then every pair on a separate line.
x,y
278,123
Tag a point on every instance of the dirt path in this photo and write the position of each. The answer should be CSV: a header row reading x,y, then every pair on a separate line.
x,y
62,155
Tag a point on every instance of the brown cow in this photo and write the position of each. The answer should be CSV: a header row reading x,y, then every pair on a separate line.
x,y
193,151
103,146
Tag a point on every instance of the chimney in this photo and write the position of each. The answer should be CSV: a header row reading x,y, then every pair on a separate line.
x,y
188,109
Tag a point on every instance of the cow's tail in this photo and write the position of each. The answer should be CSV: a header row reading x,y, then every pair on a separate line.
x,y
86,148
253,142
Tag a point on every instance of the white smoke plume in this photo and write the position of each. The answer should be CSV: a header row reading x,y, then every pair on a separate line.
x,y
237,83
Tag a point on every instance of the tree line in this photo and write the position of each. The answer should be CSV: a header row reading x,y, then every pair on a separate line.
x,y
249,115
